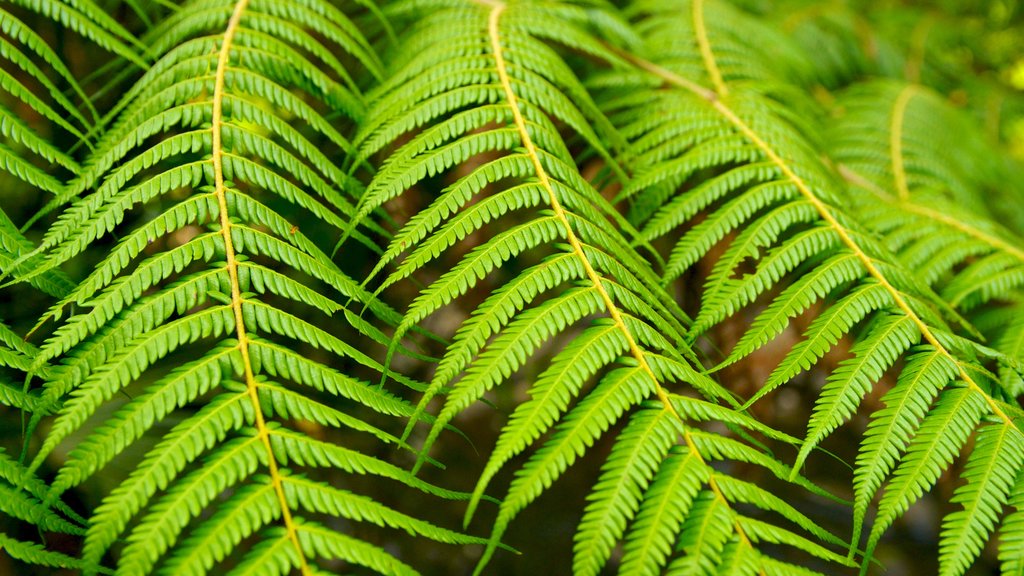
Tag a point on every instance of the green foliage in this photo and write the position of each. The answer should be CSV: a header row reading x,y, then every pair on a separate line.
x,y
265,261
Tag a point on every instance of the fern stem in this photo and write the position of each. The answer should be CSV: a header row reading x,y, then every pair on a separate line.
x,y
559,212
701,30
896,141
635,351
220,190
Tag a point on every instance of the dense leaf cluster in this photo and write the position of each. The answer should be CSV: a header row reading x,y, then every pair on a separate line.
x,y
266,262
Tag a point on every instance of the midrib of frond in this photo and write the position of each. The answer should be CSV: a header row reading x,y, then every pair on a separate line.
x,y
715,101
497,8
220,191
556,206
899,111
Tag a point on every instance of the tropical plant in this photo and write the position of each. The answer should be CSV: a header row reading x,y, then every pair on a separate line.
x,y
293,286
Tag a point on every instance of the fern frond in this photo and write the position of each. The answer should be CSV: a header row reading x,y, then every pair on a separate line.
x,y
31,553
526,200
858,282
203,141
993,465
35,113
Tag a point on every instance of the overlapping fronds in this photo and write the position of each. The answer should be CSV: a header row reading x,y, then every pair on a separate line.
x,y
27,152
269,258
490,97
23,496
775,210
43,112
930,210
934,161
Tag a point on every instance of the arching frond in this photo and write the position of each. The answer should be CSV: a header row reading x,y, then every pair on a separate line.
x,y
773,206
524,200
201,162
